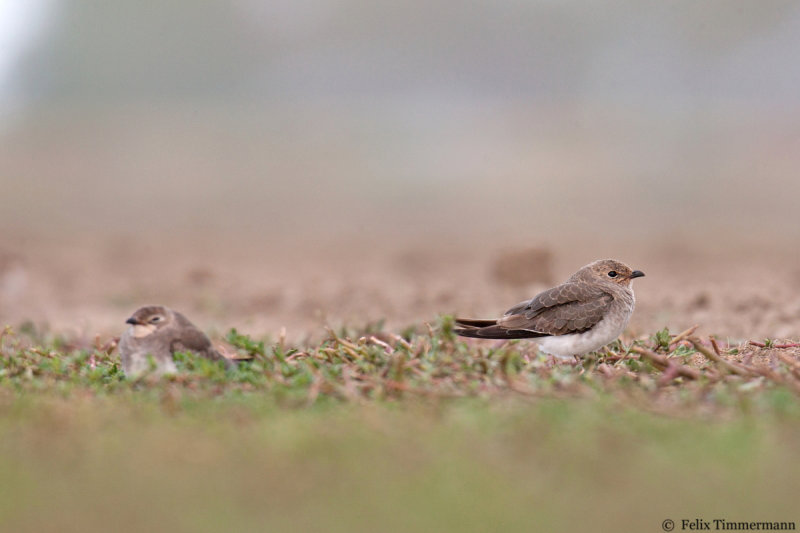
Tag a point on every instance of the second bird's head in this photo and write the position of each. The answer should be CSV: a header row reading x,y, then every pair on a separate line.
x,y
149,319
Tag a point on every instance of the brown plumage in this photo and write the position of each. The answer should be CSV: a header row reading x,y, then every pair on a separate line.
x,y
598,291
158,332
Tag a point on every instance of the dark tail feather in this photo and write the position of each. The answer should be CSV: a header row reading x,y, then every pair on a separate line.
x,y
230,362
476,322
496,332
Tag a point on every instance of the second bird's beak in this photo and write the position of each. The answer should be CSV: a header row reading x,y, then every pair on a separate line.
x,y
637,274
132,321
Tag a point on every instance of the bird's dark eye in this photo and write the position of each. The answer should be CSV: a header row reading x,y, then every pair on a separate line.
x,y
155,319
612,274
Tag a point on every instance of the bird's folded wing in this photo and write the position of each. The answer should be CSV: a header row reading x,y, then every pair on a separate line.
x,y
190,339
569,308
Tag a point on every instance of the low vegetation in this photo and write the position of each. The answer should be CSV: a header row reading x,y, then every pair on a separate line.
x,y
372,430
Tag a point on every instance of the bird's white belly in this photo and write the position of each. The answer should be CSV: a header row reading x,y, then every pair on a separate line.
x,y
566,346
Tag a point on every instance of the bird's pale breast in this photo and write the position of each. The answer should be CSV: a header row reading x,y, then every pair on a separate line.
x,y
604,332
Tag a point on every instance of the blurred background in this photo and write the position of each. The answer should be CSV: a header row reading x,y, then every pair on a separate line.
x,y
304,162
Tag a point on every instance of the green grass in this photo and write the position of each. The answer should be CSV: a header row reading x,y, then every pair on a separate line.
x,y
422,433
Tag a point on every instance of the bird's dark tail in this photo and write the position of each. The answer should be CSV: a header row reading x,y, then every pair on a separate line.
x,y
488,329
476,322
231,363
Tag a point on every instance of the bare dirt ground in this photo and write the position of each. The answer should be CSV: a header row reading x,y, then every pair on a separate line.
x,y
239,224
85,285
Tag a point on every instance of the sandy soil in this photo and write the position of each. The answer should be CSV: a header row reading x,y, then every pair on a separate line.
x,y
86,285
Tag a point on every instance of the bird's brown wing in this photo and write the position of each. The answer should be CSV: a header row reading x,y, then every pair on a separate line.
x,y
188,338
569,308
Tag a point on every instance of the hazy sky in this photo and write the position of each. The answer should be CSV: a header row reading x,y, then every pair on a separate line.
x,y
22,25
679,54
676,115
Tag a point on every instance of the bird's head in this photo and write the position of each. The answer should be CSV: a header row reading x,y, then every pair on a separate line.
x,y
609,271
149,319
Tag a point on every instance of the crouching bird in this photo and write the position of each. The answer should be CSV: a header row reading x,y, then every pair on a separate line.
x,y
583,314
155,334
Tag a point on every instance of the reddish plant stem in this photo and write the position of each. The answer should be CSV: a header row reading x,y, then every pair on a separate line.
x,y
763,345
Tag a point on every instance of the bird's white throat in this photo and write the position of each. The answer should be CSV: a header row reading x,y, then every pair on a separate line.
x,y
142,330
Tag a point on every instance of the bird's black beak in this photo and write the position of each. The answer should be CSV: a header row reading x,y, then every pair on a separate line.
x,y
637,274
132,320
